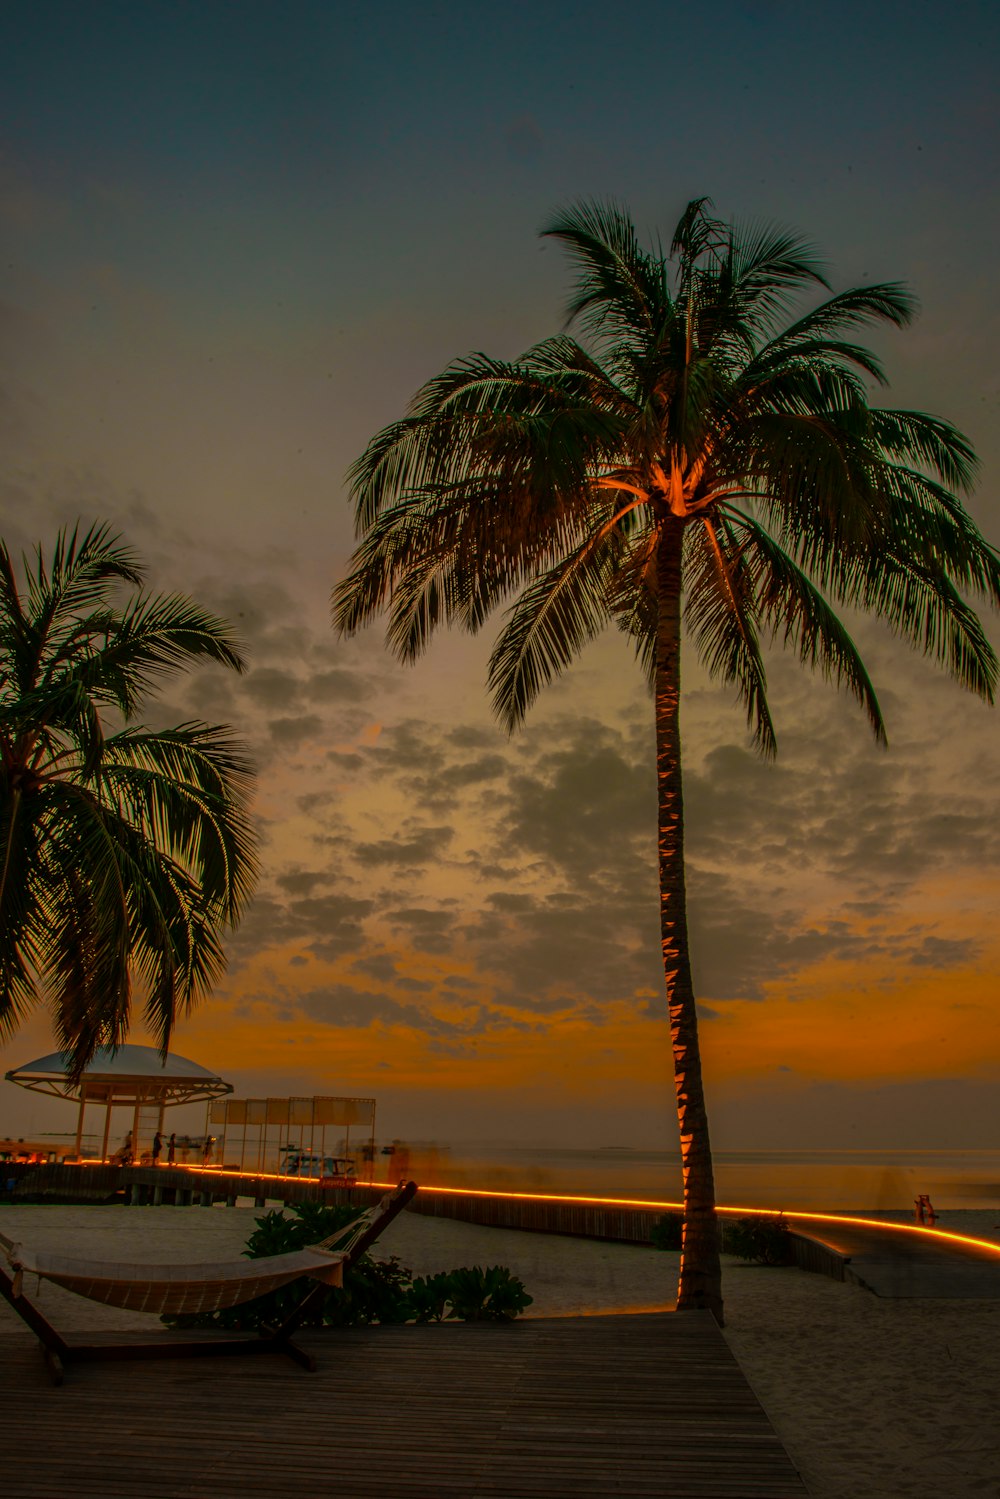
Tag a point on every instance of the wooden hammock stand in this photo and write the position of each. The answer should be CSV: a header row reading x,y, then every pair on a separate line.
x,y
172,1288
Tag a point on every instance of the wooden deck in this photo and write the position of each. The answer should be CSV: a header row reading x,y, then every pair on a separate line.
x,y
581,1406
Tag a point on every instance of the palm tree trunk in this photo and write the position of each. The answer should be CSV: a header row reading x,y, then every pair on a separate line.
x,y
700,1285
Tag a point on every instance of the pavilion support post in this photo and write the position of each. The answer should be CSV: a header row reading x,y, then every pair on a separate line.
x,y
107,1131
79,1119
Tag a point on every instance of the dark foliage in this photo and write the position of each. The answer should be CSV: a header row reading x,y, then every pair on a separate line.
x,y
765,1241
373,1291
667,1232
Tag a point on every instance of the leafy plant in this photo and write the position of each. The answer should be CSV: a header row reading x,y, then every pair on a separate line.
x,y
428,1297
493,1295
359,1300
313,1221
373,1291
766,1241
667,1232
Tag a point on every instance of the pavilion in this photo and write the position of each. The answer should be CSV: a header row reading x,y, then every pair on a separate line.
x,y
133,1077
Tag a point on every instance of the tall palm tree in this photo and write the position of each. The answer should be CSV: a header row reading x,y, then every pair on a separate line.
x,y
701,455
124,851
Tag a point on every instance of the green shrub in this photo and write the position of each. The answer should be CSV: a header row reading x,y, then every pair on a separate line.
x,y
766,1241
370,1288
492,1295
428,1297
668,1231
373,1290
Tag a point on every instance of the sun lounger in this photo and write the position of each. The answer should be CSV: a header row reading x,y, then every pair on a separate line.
x,y
179,1289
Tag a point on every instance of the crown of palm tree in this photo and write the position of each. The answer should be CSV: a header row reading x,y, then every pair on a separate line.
x,y
122,853
696,400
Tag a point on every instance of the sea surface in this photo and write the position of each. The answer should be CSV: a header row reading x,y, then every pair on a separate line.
x,y
873,1180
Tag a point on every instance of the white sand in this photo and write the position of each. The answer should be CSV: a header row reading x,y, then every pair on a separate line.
x,y
874,1399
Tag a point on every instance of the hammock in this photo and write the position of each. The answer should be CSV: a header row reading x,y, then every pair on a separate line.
x,y
173,1289
178,1289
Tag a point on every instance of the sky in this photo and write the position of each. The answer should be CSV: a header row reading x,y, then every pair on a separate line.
x,y
238,237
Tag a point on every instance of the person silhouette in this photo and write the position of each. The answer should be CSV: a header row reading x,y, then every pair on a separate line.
x,y
171,1149
157,1147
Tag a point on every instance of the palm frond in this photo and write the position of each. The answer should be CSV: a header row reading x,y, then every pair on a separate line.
x,y
886,302
927,440
795,611
555,616
620,290
721,614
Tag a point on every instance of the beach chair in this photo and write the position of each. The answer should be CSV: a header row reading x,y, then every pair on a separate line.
x,y
179,1289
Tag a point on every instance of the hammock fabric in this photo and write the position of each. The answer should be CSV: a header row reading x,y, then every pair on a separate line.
x,y
174,1289
179,1289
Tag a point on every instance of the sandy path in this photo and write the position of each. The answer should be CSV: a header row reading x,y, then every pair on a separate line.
x,y
873,1399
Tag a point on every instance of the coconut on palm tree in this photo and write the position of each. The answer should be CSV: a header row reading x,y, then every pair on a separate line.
x,y
125,852
700,456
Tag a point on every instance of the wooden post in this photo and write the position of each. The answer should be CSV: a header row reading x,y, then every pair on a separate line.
x,y
79,1117
107,1130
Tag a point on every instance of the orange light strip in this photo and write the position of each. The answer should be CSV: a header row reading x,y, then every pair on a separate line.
x,y
621,1202
627,1202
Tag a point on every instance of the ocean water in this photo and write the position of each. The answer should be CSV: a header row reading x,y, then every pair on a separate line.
x,y
872,1180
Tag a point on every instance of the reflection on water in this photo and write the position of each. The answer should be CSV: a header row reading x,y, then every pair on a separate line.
x,y
859,1180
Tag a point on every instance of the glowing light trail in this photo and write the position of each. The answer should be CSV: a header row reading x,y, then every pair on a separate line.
x,y
633,1202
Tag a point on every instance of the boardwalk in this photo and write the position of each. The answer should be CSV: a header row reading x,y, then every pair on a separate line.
x,y
895,1264
637,1406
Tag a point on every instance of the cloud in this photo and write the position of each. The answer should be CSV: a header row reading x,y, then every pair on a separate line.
x,y
270,687
342,1006
328,925
407,851
945,952
427,929
295,730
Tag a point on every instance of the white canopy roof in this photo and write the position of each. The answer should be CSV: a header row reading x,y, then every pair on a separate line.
x,y
125,1075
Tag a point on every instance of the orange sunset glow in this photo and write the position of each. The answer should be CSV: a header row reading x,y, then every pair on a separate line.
x,y
208,317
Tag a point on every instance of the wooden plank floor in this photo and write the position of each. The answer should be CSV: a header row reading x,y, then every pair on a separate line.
x,y
581,1406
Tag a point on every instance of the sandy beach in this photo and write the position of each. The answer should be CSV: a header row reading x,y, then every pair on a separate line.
x,y
880,1398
